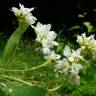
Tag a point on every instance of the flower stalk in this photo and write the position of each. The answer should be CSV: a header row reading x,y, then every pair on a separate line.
x,y
30,69
16,79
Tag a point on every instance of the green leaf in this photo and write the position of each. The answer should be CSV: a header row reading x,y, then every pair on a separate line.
x,y
74,27
75,93
24,90
11,45
89,26
60,47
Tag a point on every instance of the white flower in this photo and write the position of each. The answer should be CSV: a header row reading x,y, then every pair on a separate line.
x,y
88,42
62,66
52,56
42,31
40,27
45,36
66,66
71,54
51,35
67,51
46,50
58,66
74,78
49,43
72,69
76,54
16,11
75,68
25,13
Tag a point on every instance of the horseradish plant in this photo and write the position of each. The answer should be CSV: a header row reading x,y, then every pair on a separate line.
x,y
68,64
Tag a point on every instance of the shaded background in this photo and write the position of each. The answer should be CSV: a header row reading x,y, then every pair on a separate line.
x,y
56,12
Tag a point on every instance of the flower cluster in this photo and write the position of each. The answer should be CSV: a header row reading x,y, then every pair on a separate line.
x,y
45,36
69,64
88,42
24,14
47,39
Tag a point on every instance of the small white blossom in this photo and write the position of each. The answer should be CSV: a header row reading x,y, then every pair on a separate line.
x,y
25,13
42,31
71,54
67,51
76,68
52,56
66,66
62,66
58,66
40,28
76,54
74,78
16,11
46,50
49,43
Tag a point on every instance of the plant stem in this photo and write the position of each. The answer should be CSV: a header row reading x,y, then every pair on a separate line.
x,y
56,88
33,27
5,79
30,69
16,79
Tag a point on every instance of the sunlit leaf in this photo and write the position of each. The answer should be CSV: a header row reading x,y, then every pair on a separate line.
x,y
89,26
24,90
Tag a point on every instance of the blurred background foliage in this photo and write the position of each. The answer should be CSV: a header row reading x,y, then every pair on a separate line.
x,y
61,14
